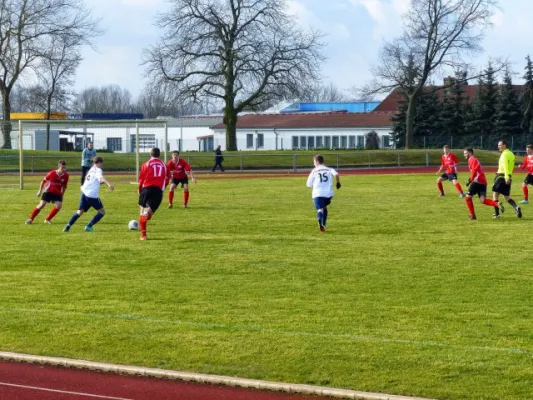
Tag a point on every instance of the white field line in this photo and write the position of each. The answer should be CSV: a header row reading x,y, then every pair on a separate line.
x,y
244,328
62,391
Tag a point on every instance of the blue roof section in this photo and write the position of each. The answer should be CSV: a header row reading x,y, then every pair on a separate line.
x,y
355,107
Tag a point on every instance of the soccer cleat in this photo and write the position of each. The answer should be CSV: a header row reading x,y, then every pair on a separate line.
x,y
66,228
502,208
462,195
441,195
170,206
185,206
28,222
143,237
321,226
473,218
495,215
524,202
47,221
518,212
89,229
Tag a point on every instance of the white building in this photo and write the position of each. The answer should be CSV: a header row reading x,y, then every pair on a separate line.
x,y
330,130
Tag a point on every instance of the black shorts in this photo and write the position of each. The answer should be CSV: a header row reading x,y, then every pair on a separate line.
x,y
500,186
529,180
449,177
151,197
52,198
183,181
477,188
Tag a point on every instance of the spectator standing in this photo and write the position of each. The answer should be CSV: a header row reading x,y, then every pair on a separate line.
x,y
218,159
87,156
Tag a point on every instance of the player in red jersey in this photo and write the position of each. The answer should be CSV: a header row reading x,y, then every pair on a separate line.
x,y
477,184
55,184
527,165
178,169
152,181
449,163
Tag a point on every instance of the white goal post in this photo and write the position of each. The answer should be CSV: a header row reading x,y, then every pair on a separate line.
x,y
65,138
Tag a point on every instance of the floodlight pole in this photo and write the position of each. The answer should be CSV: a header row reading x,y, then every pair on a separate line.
x,y
21,158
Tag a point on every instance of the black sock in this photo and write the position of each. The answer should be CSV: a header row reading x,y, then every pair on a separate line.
x,y
512,203
496,211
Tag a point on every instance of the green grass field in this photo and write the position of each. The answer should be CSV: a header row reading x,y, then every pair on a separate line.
x,y
403,294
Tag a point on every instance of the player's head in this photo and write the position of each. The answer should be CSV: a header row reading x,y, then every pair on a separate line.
x,y
90,145
529,149
318,160
98,160
155,152
446,149
175,155
62,165
502,145
469,152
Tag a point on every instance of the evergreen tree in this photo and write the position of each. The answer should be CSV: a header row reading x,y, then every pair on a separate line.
x,y
482,120
508,114
427,121
398,123
453,113
526,98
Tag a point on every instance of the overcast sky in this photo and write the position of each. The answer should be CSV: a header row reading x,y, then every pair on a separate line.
x,y
355,31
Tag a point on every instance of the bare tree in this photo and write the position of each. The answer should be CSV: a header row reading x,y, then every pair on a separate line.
x,y
106,99
437,34
25,27
242,52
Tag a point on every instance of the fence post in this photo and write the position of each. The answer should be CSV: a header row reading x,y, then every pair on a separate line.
x,y
427,158
240,158
398,159
338,158
294,166
368,160
451,142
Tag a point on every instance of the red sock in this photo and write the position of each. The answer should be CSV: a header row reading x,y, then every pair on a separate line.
x,y
142,224
459,188
170,197
34,213
492,203
526,193
185,198
441,189
52,214
470,206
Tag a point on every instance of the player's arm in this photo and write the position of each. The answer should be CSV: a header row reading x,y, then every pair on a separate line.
x,y
191,174
440,168
338,180
109,185
41,187
506,166
141,178
310,180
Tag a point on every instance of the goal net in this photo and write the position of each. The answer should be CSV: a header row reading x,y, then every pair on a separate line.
x,y
39,144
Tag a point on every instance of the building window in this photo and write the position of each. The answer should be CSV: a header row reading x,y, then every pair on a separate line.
x,y
114,144
311,142
328,142
319,142
146,142
303,142
260,140
335,142
295,142
351,142
361,142
344,142
386,141
250,141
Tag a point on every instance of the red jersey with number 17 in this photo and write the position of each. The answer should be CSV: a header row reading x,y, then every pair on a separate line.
x,y
153,173
476,172
449,162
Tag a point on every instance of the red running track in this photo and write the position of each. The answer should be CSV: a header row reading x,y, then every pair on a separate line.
x,y
22,381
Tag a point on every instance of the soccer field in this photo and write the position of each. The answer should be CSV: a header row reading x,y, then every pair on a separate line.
x,y
403,294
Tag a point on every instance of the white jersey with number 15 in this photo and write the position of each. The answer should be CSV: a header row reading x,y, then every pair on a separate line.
x,y
321,180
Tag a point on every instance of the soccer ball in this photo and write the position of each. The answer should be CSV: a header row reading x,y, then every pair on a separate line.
x,y
133,225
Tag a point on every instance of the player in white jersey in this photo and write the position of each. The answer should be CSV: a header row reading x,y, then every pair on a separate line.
x,y
90,191
321,180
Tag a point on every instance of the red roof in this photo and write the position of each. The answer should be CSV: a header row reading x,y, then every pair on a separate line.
x,y
313,120
390,103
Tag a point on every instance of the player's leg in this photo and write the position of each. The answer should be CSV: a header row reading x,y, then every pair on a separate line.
x,y
439,185
53,212
525,192
320,205
470,205
458,187
36,211
171,194
99,207
185,195
512,203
